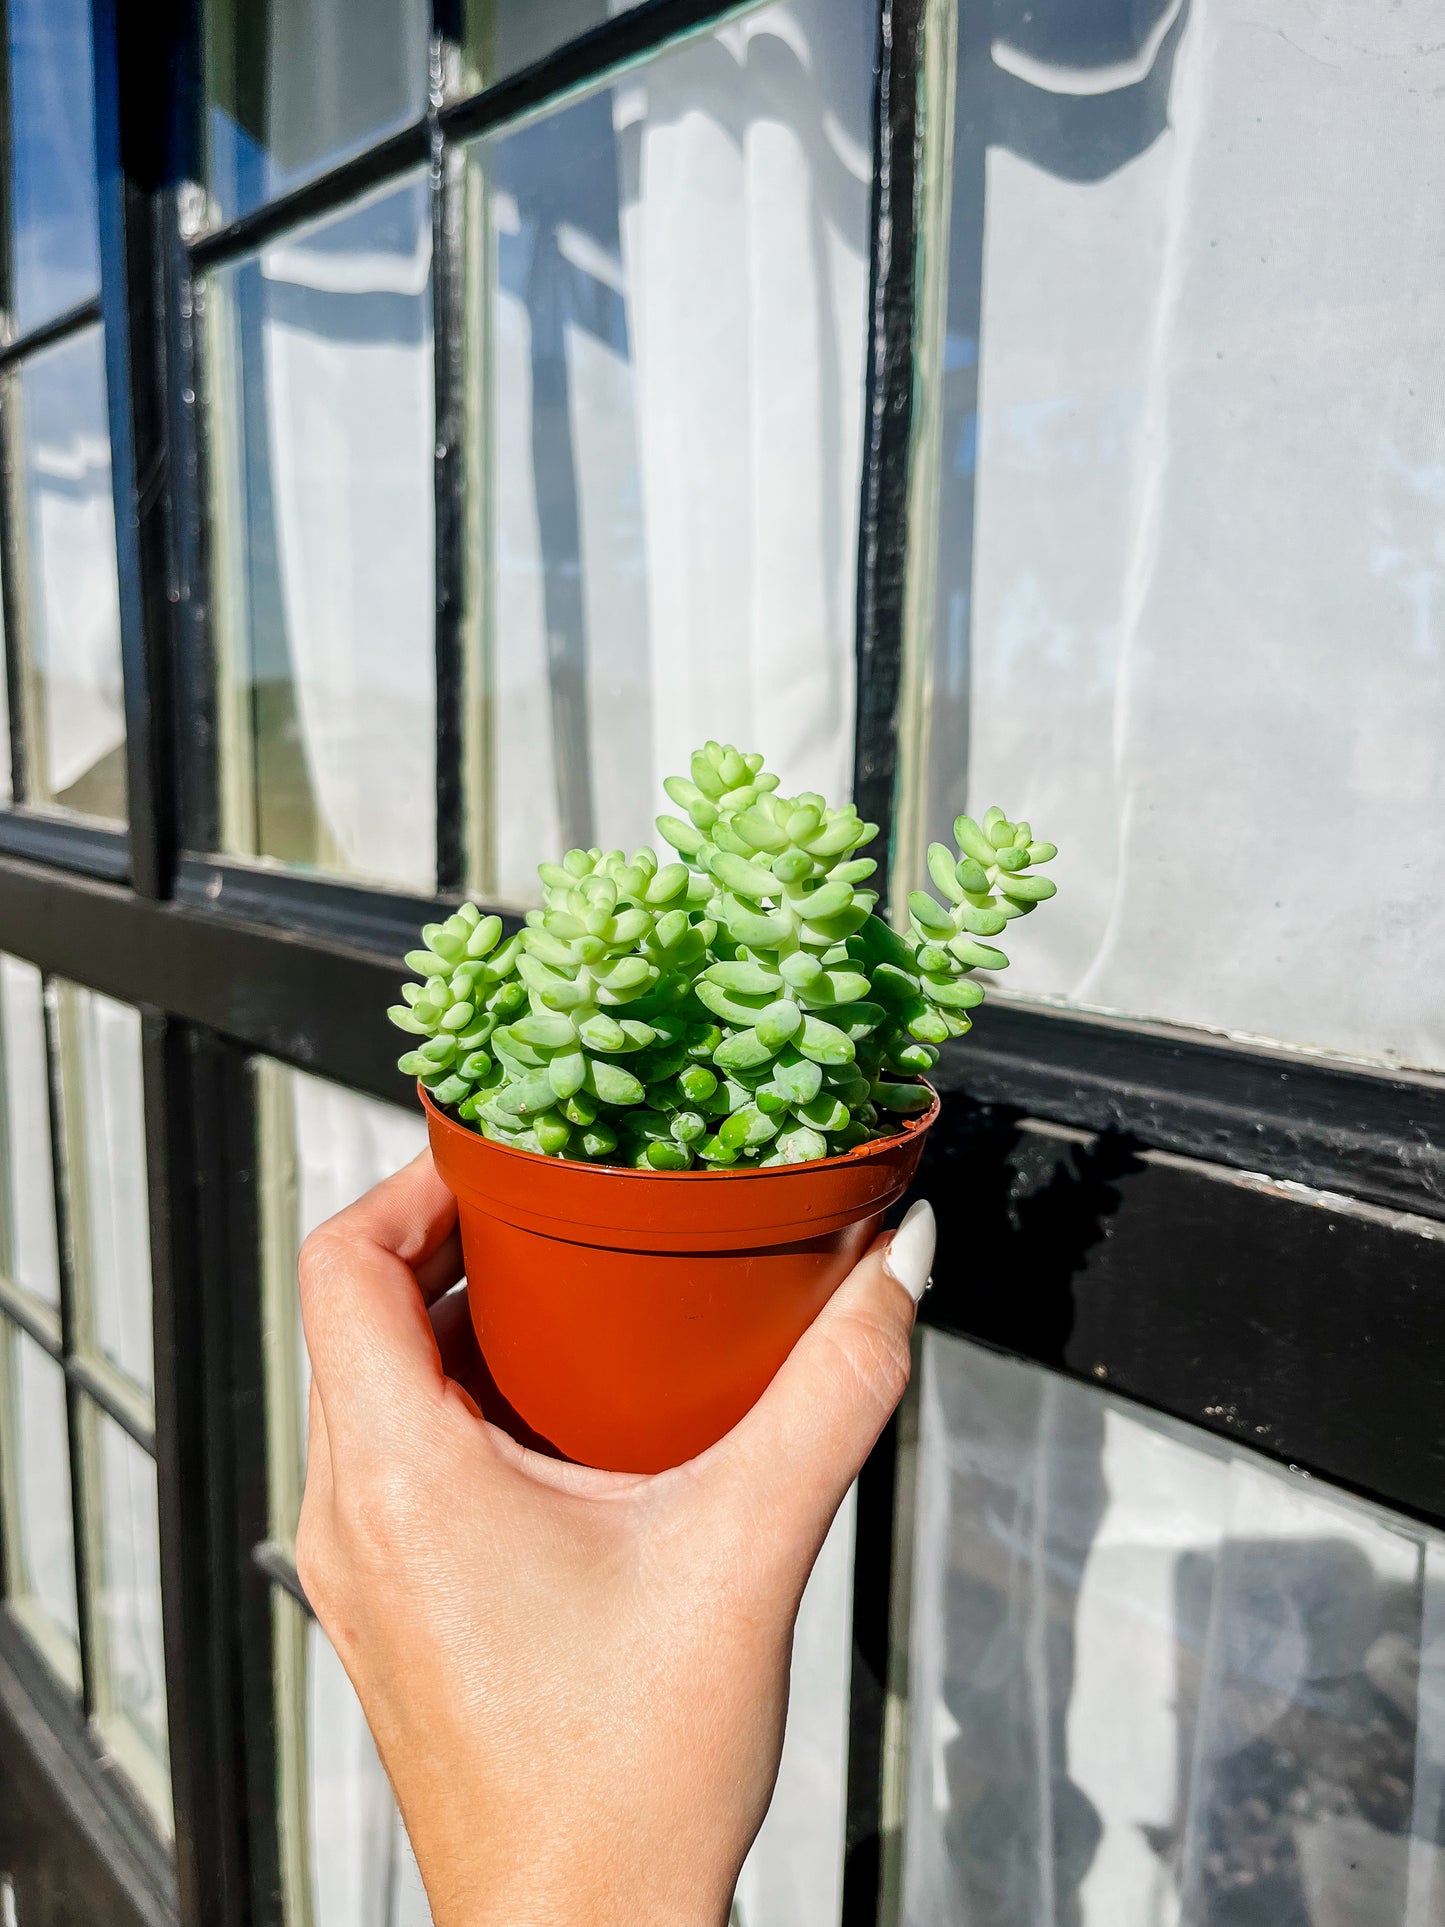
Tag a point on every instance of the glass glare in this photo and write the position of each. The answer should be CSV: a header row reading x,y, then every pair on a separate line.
x,y
29,1259
110,1218
1188,607
1153,1677
295,86
76,716
321,433
56,248
127,1596
676,282
35,1482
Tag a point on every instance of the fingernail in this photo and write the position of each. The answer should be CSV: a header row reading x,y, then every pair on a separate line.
x,y
909,1258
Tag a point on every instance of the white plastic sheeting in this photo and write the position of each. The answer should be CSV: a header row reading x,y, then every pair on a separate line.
x,y
1193,536
105,1104
679,337
71,594
28,1253
1158,1682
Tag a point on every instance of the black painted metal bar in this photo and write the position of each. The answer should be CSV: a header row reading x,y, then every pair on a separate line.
x,y
50,333
315,198
1305,1327
879,655
82,1537
135,163
66,843
40,1734
621,41
450,462
883,521
84,1376
195,1501
1375,1134
385,922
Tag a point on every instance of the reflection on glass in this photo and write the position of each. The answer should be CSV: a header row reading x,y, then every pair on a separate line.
x,y
503,36
71,597
346,1859
320,1148
677,280
28,1256
793,1877
52,158
322,447
294,86
1155,1679
127,1591
35,1485
109,1209
1188,614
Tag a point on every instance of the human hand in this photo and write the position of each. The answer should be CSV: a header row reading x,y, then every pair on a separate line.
x,y
577,1680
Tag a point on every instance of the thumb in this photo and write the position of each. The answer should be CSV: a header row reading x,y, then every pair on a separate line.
x,y
794,1456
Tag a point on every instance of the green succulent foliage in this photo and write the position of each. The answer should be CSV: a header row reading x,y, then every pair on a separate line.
x,y
739,1006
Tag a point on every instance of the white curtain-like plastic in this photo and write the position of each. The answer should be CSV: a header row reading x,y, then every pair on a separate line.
x,y
105,1086
28,1251
1193,541
679,339
73,602
1157,1682
793,1877
129,1595
348,397
363,1872
42,1555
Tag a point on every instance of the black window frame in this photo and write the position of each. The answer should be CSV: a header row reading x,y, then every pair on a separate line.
x,y
1149,1128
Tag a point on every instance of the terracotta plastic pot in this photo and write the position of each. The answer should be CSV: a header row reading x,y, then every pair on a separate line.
x,y
628,1319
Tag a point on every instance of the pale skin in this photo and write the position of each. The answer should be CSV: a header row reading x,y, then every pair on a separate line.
x,y
577,1680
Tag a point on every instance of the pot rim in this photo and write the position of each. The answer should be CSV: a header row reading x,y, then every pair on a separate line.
x,y
913,1127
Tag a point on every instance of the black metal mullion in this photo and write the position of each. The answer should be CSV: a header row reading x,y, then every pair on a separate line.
x,y
373,167
136,166
191,1136
94,1384
50,333
69,845
882,535
448,364
69,1332
883,522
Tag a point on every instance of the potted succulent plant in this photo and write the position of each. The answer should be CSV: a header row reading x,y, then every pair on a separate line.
x,y
676,1103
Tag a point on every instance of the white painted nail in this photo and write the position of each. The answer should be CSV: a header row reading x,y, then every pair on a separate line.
x,y
909,1258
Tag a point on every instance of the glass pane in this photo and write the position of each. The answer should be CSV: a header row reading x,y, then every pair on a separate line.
x,y
35,1483
28,1255
346,1859
321,1148
71,597
322,457
794,1875
52,158
294,86
109,1207
1155,1679
677,278
503,36
1187,616
130,1657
